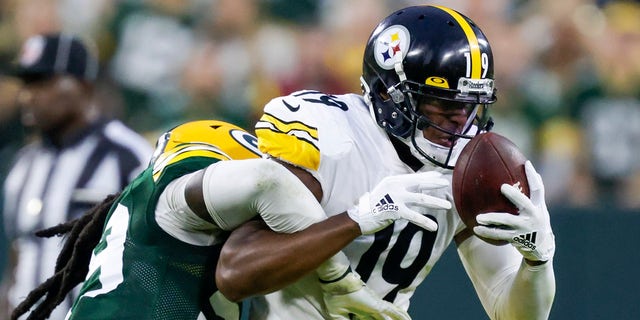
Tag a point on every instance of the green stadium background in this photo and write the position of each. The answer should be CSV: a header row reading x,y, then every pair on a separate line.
x,y
596,266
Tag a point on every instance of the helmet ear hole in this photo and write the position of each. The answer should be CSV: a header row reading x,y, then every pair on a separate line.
x,y
380,91
384,96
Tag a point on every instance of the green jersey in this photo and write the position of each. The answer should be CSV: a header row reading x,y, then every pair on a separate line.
x,y
139,271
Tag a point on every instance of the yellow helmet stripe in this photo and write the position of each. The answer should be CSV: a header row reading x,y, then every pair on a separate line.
x,y
183,152
474,47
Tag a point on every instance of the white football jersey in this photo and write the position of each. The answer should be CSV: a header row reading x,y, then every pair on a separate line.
x,y
336,139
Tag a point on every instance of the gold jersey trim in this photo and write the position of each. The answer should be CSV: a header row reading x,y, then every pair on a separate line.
x,y
293,142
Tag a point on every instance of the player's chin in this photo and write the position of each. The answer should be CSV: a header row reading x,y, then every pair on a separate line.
x,y
447,141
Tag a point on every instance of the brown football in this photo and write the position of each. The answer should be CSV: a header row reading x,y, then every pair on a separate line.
x,y
485,163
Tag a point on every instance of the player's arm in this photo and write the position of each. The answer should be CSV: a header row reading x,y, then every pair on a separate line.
x,y
246,259
508,287
513,281
256,260
254,250
230,193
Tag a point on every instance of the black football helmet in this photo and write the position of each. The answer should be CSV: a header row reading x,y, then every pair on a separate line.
x,y
427,52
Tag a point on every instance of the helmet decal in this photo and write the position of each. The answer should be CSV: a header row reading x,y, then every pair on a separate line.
x,y
390,42
437,82
245,139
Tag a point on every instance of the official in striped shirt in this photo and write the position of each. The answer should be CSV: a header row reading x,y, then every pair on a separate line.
x,y
76,159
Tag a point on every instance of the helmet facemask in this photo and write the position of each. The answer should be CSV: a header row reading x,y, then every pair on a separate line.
x,y
407,122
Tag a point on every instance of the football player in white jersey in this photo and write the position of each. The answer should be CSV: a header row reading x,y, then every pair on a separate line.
x,y
427,82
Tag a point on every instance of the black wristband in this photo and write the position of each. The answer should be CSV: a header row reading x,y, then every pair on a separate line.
x,y
337,279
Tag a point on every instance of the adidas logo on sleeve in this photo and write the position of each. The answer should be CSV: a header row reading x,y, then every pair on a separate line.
x,y
385,204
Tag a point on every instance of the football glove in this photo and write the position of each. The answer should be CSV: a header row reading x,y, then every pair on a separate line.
x,y
334,268
391,198
529,231
349,298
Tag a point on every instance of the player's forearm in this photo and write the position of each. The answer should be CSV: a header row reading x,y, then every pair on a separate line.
x,y
531,293
255,260
507,286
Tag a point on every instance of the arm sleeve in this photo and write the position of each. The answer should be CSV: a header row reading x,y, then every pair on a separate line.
x,y
236,191
508,287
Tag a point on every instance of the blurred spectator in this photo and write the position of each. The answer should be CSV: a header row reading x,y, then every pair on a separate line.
x,y
152,41
34,17
313,68
347,25
250,51
221,71
91,22
20,19
75,158
247,52
610,109
547,89
12,135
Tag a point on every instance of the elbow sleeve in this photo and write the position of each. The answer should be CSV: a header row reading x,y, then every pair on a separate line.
x,y
236,191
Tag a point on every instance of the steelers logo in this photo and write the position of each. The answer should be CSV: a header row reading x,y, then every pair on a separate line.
x,y
390,43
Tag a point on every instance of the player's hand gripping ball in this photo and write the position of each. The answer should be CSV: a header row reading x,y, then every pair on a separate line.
x,y
485,163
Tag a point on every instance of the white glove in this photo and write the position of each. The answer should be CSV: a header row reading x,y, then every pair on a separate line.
x,y
389,201
530,231
350,298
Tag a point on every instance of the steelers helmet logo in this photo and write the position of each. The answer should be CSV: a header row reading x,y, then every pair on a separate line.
x,y
391,42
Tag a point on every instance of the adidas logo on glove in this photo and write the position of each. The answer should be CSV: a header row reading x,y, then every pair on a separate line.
x,y
527,240
385,204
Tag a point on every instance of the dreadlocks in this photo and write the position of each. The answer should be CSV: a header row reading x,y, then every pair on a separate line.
x,y
72,263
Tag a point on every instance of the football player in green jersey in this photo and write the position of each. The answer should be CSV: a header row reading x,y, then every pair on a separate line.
x,y
151,251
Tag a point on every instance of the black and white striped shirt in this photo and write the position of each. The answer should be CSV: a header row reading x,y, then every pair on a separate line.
x,y
48,185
